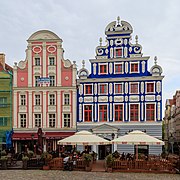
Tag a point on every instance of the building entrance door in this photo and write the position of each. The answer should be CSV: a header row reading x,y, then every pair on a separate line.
x,y
104,150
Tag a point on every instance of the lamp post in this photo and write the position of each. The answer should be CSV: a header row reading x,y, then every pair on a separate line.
x,y
112,135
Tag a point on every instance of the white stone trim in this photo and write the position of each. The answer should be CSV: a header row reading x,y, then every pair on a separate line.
x,y
158,110
67,92
84,112
126,67
117,63
94,68
44,59
139,115
30,110
130,87
99,89
80,111
158,86
110,88
150,98
130,67
74,94
107,111
85,89
134,98
110,68
58,63
154,110
70,120
152,82
116,48
59,108
99,68
114,111
29,57
15,105
143,66
118,98
122,88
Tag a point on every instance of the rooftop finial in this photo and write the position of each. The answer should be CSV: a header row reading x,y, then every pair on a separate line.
x,y
136,37
100,41
155,60
118,19
83,63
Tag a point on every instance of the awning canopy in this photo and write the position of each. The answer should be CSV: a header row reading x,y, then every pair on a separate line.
x,y
83,138
137,138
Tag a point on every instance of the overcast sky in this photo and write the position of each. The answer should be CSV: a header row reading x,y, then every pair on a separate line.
x,y
80,23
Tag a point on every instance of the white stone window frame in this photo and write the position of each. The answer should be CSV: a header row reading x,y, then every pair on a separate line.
x,y
146,87
34,60
70,119
139,115
114,111
35,119
52,56
155,110
66,92
22,94
99,88
130,67
99,64
49,120
52,74
50,93
39,98
84,112
19,115
117,48
36,75
107,112
122,88
122,68
85,89
130,87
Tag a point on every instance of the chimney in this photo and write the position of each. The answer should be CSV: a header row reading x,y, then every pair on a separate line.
x,y
2,59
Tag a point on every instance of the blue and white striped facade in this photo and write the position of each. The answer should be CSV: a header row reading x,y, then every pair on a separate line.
x,y
118,36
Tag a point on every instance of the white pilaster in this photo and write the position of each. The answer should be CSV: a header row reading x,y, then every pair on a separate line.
x,y
44,60
110,111
74,75
58,63
15,120
44,110
30,109
29,58
74,110
58,109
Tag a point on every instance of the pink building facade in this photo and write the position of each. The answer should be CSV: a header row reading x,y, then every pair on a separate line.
x,y
44,93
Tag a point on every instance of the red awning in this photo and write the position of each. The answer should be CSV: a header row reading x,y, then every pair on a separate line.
x,y
47,135
24,136
57,135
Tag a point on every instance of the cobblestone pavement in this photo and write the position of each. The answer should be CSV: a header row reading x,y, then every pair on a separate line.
x,y
78,175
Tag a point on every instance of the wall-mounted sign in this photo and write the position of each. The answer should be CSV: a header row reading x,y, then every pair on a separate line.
x,y
44,80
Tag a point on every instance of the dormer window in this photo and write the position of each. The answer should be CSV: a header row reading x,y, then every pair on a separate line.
x,y
117,52
134,67
103,69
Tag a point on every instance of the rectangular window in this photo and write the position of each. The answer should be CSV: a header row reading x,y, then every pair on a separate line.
x,y
103,69
134,67
118,69
3,101
37,120
51,99
66,99
52,120
150,87
134,88
37,81
119,112
37,61
66,120
23,120
88,113
88,89
51,61
118,89
37,100
150,112
102,113
23,100
52,80
118,52
3,121
134,112
103,88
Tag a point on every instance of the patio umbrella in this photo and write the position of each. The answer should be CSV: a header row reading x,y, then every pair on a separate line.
x,y
137,138
83,138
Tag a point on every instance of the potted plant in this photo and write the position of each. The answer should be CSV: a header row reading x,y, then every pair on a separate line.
x,y
25,162
4,162
87,161
46,157
109,162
